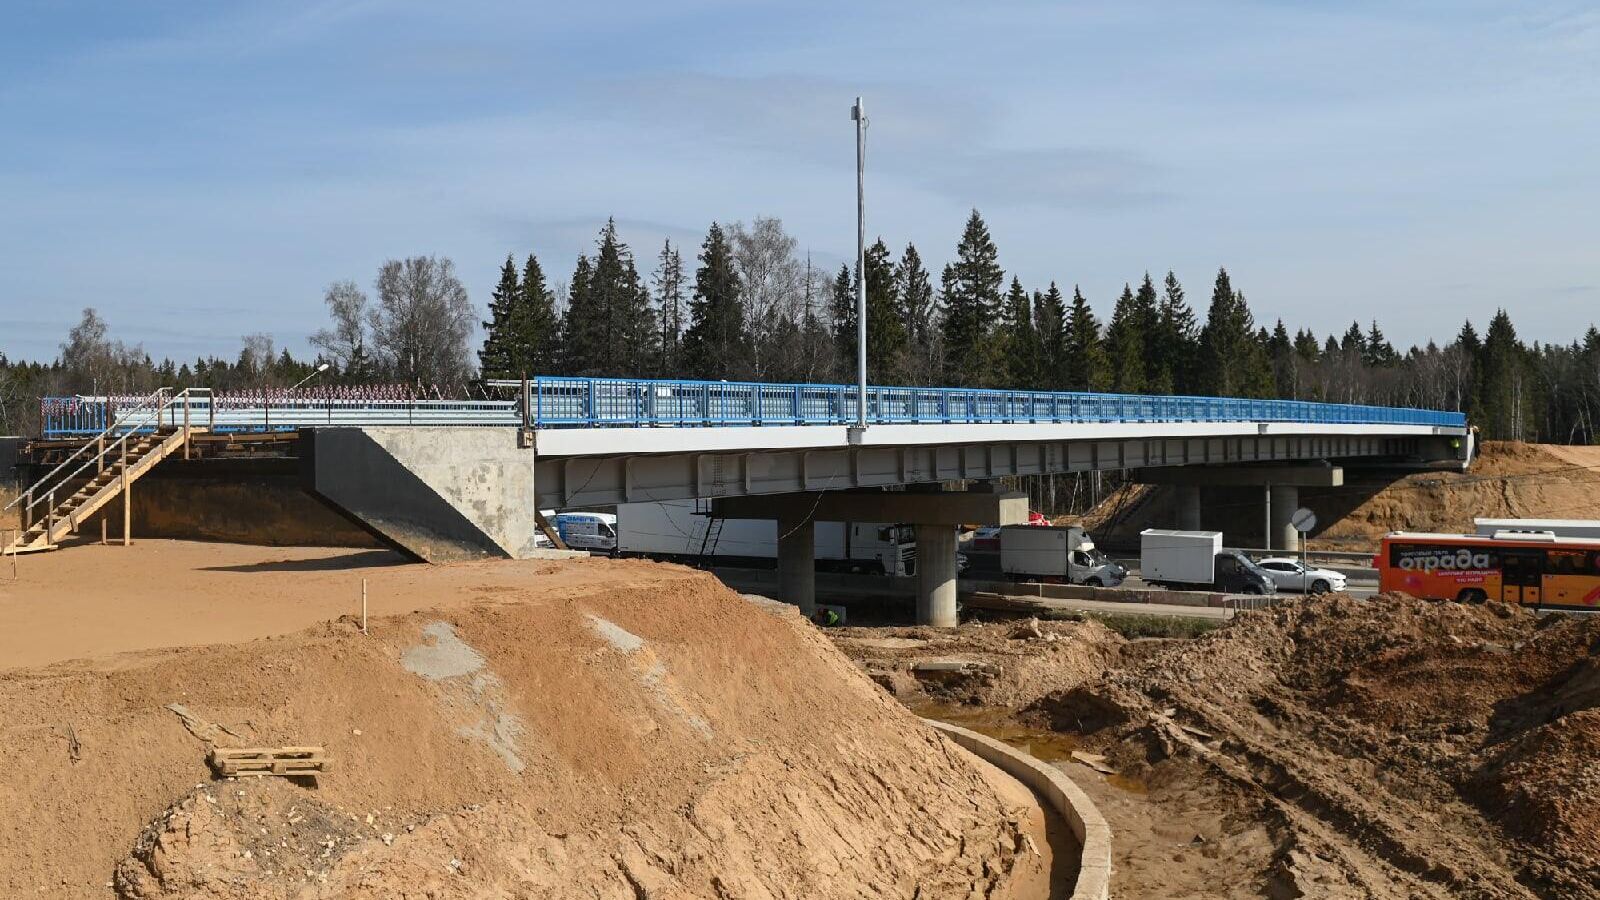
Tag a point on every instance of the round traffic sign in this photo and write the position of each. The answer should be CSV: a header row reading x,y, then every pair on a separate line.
x,y
1303,520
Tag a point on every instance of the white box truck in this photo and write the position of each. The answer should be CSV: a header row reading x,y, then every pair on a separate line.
x,y
1055,554
1195,560
673,530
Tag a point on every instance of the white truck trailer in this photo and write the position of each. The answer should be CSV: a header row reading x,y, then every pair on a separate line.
x,y
1195,560
673,530
1052,553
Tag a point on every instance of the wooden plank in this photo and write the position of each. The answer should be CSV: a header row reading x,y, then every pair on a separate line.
x,y
270,761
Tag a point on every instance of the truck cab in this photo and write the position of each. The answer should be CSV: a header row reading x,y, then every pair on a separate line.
x,y
1239,574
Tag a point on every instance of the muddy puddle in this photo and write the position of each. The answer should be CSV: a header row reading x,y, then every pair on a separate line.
x,y
1041,743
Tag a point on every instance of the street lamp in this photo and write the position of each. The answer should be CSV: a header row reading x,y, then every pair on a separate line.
x,y
858,113
314,373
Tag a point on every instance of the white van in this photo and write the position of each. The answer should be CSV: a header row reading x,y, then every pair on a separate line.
x,y
588,531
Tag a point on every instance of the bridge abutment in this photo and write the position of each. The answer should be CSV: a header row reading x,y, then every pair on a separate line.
x,y
434,493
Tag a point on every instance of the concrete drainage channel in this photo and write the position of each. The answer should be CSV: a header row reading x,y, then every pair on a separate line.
x,y
1090,828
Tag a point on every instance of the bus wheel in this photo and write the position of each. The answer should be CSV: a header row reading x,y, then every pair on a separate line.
x,y
1472,595
1320,587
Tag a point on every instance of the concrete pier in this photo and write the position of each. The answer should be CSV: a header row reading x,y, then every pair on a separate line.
x,y
797,564
1186,503
1285,499
936,575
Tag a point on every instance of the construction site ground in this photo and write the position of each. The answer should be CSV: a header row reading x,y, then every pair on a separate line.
x,y
1330,747
575,728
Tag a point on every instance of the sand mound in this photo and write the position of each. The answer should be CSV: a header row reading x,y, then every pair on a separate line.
x,y
1395,747
1508,480
673,742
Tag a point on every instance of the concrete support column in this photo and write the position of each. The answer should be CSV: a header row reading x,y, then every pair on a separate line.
x,y
797,563
1186,506
936,575
1285,499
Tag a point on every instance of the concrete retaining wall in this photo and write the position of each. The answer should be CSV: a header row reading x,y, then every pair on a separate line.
x,y
437,494
1066,798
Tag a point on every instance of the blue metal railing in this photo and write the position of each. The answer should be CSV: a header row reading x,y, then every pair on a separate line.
x,y
561,402
600,402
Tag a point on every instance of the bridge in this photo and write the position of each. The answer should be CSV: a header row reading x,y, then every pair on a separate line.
x,y
443,479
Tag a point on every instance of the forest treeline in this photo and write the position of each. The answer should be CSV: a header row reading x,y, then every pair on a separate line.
x,y
750,306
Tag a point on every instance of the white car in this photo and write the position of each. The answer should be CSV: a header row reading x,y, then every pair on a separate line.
x,y
1288,575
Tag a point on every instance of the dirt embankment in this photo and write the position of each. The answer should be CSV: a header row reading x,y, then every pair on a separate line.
x,y
1004,666
662,739
1387,748
1508,480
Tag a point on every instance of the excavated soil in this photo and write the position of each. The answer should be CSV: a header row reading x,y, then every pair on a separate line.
x,y
1329,747
1367,748
1007,666
1507,480
640,732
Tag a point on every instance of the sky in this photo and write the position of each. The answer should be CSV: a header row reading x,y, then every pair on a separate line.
x,y
201,171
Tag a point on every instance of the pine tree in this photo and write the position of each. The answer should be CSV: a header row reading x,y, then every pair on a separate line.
x,y
579,347
1464,374
886,329
1157,376
1021,349
1285,363
1050,316
919,312
535,325
1378,352
971,293
1305,346
1125,345
1504,399
670,308
842,306
1354,342
494,360
716,345
1175,341
1086,367
1233,360
621,330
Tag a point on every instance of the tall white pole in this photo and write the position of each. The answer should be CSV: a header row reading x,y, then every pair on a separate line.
x,y
858,113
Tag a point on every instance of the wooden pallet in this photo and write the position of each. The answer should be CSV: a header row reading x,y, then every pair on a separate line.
x,y
257,761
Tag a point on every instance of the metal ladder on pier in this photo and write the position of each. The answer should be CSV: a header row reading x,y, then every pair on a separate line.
x,y
709,537
103,469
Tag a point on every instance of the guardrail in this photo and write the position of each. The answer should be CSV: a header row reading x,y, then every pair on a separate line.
x,y
561,402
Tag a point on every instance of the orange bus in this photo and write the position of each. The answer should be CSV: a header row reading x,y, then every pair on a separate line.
x,y
1530,568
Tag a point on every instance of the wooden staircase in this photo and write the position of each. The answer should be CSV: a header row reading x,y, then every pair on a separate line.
x,y
56,505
